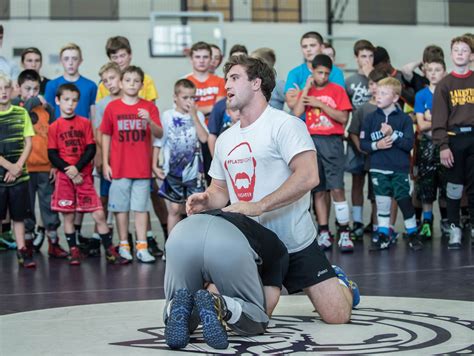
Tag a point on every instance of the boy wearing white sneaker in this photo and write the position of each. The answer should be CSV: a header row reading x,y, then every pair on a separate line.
x,y
127,128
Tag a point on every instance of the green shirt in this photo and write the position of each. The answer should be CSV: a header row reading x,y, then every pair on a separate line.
x,y
15,125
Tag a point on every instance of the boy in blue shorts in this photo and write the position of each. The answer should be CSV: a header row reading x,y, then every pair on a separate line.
x,y
387,136
430,172
184,130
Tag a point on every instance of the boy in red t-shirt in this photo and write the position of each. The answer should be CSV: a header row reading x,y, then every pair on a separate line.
x,y
327,108
71,148
127,128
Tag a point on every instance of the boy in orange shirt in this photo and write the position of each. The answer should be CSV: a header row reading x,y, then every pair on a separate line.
x,y
38,165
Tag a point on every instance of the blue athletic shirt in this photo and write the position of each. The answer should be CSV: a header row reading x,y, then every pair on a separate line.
x,y
423,101
87,88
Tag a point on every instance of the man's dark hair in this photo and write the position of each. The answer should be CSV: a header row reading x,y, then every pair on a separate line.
x,y
381,55
183,83
67,87
238,48
322,60
434,59
313,34
199,46
29,74
255,68
376,75
361,45
114,44
133,69
31,50
432,51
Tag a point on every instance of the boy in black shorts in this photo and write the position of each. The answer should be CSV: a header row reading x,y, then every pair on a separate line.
x,y
16,131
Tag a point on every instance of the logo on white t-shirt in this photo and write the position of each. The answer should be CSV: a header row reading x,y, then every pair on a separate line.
x,y
240,165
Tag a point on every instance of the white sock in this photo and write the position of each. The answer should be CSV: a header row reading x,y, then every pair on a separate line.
x,y
235,308
357,213
149,233
96,236
342,212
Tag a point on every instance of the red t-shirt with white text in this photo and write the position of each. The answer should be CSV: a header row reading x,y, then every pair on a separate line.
x,y
71,137
131,138
317,121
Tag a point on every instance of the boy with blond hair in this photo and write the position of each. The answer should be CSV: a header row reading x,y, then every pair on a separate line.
x,y
16,131
387,136
127,129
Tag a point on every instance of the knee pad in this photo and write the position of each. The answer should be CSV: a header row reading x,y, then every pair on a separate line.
x,y
342,212
454,191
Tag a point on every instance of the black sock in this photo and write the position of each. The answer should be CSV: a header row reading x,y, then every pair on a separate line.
x,y
323,227
6,227
165,230
78,229
443,212
71,239
106,240
418,213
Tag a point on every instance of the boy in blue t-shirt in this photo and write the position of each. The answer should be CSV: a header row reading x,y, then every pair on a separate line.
x,y
311,45
387,136
71,58
430,172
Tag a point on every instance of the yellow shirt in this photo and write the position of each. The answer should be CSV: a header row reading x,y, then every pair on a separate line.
x,y
147,92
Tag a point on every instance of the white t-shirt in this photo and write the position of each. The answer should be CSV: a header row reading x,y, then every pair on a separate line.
x,y
180,145
254,163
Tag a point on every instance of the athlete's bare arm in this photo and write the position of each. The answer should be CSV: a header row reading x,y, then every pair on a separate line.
x,y
216,196
305,177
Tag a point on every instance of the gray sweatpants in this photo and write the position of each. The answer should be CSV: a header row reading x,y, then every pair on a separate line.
x,y
206,248
39,183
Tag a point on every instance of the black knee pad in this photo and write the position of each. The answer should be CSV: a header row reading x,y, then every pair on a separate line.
x,y
406,207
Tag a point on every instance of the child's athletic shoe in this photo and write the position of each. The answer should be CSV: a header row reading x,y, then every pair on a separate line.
x,y
40,236
425,231
345,243
92,249
414,241
380,242
445,228
324,240
455,235
6,238
349,283
124,252
55,250
25,258
144,256
213,313
75,257
357,232
177,322
113,257
153,247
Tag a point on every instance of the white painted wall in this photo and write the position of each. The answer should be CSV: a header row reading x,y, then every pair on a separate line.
x,y
404,43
